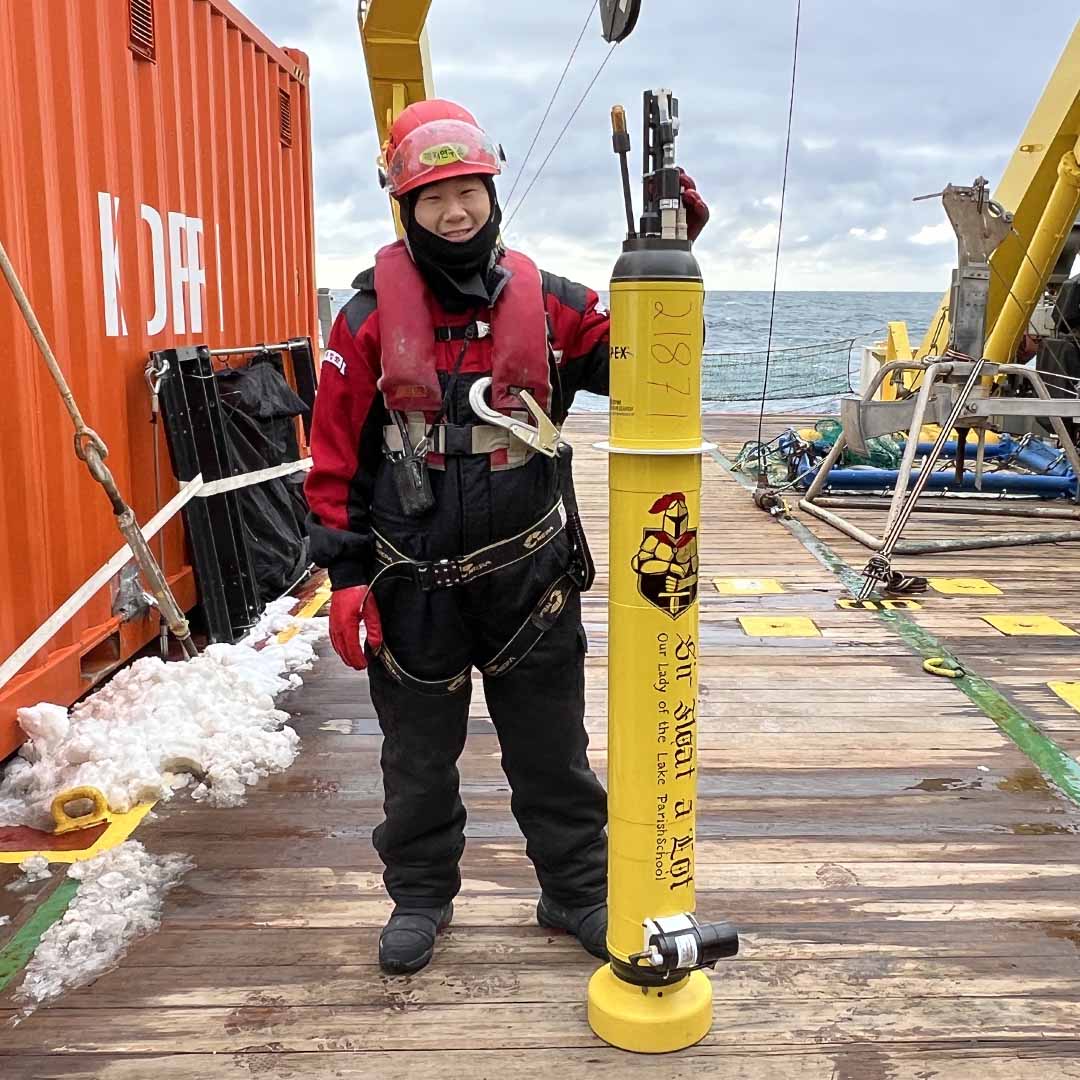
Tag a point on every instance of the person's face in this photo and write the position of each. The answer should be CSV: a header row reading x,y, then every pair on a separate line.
x,y
455,209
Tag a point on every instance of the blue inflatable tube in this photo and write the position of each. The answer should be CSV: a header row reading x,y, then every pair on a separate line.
x,y
1037,456
868,479
1002,448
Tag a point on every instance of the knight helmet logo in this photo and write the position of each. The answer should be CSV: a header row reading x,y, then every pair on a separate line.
x,y
667,561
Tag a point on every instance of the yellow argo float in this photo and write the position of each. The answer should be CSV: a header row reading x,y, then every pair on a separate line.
x,y
653,996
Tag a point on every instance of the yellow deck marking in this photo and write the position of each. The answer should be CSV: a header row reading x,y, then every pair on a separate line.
x,y
963,586
1069,692
779,626
850,604
1042,625
121,826
747,586
308,611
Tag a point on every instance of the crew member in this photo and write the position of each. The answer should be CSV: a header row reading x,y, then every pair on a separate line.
x,y
444,535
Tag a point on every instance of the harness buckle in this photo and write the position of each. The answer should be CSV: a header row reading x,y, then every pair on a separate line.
x,y
438,574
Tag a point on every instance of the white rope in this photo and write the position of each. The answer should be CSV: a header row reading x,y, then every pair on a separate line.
x,y
14,663
70,607
232,483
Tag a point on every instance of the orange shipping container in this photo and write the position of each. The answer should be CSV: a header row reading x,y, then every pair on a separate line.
x,y
155,190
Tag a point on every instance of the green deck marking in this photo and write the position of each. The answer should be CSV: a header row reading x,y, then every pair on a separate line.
x,y
15,955
1056,765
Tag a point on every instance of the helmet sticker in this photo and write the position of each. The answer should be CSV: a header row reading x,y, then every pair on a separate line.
x,y
444,154
439,149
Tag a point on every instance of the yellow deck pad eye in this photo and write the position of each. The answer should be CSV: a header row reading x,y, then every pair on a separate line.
x,y
939,665
963,586
747,586
66,822
1069,692
779,626
1042,625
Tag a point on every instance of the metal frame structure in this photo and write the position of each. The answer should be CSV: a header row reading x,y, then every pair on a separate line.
x,y
937,396
1008,247
957,392
198,447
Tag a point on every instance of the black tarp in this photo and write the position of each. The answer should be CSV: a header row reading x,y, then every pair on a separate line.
x,y
260,409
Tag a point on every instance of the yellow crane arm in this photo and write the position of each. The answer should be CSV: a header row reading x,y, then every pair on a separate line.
x,y
1041,186
396,54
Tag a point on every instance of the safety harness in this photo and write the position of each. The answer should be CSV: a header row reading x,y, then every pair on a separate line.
x,y
454,572
515,424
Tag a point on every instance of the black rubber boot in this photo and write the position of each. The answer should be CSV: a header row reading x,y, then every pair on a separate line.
x,y
587,924
408,939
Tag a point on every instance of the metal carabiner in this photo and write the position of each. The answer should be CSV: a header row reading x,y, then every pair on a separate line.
x,y
154,373
544,437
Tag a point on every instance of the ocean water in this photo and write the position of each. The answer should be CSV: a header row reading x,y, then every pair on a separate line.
x,y
801,378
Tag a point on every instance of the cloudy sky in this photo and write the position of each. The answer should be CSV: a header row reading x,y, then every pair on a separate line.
x,y
894,99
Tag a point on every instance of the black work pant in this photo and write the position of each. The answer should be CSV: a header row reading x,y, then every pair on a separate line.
x,y
538,712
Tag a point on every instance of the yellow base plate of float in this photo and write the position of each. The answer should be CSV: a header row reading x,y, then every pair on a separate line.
x,y
779,626
1069,692
744,586
1017,625
650,1021
963,586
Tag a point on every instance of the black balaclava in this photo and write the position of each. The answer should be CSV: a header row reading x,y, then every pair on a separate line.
x,y
457,273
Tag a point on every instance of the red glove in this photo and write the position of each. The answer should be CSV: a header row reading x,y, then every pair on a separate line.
x,y
348,609
697,213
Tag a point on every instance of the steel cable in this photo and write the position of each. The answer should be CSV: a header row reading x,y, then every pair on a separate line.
x,y
551,102
780,227
566,127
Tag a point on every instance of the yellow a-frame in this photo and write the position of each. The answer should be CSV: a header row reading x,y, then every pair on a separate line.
x,y
1041,188
398,63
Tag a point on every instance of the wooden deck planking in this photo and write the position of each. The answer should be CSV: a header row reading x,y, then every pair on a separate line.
x,y
857,1063
905,884
1040,579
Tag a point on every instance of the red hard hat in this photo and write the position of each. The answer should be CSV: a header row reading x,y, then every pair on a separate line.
x,y
435,140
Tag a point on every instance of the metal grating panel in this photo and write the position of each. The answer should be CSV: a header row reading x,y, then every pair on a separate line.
x,y
141,28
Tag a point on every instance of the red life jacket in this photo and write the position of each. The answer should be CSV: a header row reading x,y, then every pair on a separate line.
x,y
519,336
